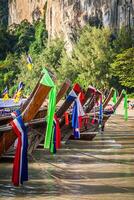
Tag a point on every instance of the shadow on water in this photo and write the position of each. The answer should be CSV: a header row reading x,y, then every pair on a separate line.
x,y
41,189
103,166
31,190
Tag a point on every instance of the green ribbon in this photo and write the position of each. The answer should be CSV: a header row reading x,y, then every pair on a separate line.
x,y
125,105
46,80
52,144
115,97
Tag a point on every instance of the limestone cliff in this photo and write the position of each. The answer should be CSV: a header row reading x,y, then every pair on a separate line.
x,y
64,16
25,9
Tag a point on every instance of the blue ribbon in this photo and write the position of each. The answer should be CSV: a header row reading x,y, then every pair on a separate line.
x,y
24,167
75,120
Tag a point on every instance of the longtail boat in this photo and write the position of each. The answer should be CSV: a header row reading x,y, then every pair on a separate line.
x,y
64,88
39,125
90,130
35,123
65,129
108,115
8,137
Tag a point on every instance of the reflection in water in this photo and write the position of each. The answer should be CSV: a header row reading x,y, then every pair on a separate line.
x,y
101,169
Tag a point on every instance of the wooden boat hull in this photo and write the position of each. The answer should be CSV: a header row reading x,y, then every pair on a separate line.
x,y
42,112
89,131
8,138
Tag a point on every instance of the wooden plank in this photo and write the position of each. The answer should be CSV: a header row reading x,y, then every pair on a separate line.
x,y
63,90
108,98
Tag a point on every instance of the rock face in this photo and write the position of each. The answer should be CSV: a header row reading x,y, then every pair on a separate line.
x,y
25,9
64,16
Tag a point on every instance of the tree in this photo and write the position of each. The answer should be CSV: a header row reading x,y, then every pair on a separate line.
x,y
123,67
41,37
8,72
3,14
123,40
24,35
29,77
52,54
90,60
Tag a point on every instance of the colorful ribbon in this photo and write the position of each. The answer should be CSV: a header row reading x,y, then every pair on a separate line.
x,y
115,97
46,80
125,105
66,114
100,112
56,138
5,94
20,166
15,114
77,115
94,98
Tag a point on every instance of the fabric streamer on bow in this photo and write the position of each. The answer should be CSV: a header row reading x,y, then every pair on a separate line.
x,y
66,114
100,112
46,80
18,93
20,166
94,98
77,115
5,94
114,99
72,96
15,114
29,62
53,135
82,97
56,137
125,105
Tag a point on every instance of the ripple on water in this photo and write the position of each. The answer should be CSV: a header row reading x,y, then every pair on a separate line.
x,y
9,190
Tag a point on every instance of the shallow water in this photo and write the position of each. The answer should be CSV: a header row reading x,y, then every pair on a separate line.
x,y
100,169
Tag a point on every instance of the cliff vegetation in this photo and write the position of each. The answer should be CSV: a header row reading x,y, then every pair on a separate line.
x,y
100,56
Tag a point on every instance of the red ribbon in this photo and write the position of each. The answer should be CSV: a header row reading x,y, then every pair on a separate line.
x,y
82,97
80,121
16,165
66,118
58,132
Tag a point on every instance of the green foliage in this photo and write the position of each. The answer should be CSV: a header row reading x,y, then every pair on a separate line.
x,y
8,72
90,59
124,40
20,39
131,96
52,54
3,14
24,35
28,77
40,37
4,44
99,57
123,67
